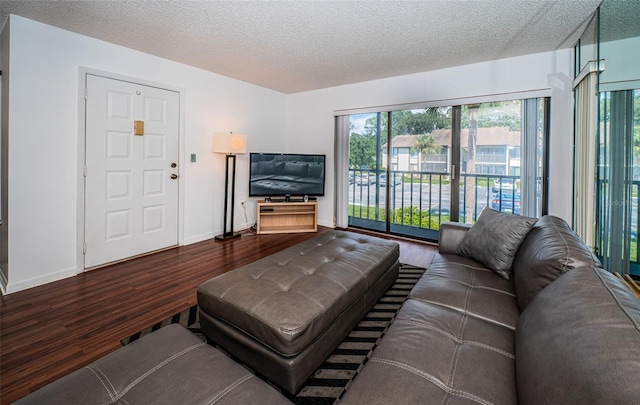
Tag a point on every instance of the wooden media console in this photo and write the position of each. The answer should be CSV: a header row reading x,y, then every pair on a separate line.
x,y
286,217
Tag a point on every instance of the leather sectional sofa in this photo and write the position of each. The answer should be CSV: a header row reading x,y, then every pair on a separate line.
x,y
561,330
553,328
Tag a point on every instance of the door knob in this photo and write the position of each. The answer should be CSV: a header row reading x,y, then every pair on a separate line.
x,y
173,165
174,176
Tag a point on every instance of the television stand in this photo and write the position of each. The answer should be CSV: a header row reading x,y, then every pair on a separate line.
x,y
286,217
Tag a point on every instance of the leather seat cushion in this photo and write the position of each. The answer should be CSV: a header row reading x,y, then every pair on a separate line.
x,y
169,366
434,354
468,287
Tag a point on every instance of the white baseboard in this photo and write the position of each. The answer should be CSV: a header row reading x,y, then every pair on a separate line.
x,y
38,281
326,224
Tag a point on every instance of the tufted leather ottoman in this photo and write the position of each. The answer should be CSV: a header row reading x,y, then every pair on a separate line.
x,y
284,314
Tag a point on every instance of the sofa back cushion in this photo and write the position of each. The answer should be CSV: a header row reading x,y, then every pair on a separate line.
x,y
578,342
549,250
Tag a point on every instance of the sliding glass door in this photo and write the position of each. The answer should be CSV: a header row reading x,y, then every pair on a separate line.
x,y
398,172
502,158
367,199
412,170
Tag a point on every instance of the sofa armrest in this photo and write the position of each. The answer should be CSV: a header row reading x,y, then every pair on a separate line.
x,y
451,234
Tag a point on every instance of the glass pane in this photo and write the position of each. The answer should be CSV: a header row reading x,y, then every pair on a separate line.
x,y
420,192
619,180
587,48
368,132
490,158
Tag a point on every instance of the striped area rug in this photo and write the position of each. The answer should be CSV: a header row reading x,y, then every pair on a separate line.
x,y
333,377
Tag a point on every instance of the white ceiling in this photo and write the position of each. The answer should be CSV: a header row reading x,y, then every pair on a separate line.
x,y
293,46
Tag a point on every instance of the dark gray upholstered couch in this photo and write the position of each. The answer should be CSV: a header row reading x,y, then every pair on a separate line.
x,y
170,366
561,330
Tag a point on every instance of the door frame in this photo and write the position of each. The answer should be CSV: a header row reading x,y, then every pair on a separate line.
x,y
83,72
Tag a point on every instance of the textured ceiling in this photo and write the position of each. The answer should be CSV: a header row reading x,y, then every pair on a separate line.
x,y
293,46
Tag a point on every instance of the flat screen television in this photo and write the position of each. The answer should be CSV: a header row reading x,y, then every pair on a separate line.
x,y
286,174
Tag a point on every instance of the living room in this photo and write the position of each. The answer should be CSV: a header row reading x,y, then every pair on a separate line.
x,y
42,154
45,60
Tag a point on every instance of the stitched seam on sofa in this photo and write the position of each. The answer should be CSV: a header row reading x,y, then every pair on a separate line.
x,y
432,380
480,287
104,380
479,268
230,388
463,312
456,339
413,370
463,322
157,367
615,298
565,264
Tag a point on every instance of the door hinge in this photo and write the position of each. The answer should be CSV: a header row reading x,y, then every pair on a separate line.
x,y
84,171
84,248
86,94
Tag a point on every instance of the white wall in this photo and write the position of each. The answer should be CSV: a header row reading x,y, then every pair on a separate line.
x,y
310,123
43,149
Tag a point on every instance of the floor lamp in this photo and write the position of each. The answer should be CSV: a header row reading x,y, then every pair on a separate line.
x,y
229,144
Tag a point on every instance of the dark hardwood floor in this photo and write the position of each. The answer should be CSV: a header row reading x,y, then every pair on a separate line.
x,y
51,330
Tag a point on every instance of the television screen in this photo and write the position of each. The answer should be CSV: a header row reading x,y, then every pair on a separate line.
x,y
282,174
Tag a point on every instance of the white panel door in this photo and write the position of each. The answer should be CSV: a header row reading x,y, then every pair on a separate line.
x,y
131,184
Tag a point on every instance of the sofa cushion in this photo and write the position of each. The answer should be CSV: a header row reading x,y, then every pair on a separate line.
x,y
494,239
465,286
432,354
578,342
549,250
168,366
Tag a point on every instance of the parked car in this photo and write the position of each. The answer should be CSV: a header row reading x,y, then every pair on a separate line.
x,y
397,179
365,179
506,202
502,185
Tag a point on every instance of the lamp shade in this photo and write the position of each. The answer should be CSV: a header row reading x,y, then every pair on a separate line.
x,y
229,143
